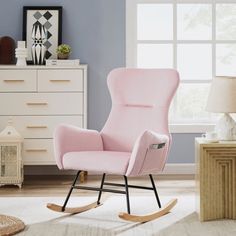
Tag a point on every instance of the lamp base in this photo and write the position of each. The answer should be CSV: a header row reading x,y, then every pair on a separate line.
x,y
226,128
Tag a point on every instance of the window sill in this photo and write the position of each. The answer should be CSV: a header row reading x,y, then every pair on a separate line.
x,y
190,128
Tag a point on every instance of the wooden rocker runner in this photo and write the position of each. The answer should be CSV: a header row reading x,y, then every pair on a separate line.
x,y
135,140
71,210
145,218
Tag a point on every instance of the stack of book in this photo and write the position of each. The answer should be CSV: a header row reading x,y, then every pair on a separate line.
x,y
55,62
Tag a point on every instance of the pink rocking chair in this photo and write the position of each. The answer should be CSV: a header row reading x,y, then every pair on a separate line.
x,y
135,140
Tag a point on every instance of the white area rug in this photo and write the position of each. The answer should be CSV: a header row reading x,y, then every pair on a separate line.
x,y
104,220
191,226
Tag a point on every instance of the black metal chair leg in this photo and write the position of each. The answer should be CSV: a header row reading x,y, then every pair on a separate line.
x,y
70,191
127,194
155,191
101,187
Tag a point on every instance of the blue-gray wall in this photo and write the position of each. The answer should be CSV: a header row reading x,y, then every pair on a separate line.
x,y
96,31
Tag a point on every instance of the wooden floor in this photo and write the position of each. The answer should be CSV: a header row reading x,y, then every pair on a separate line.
x,y
32,213
59,185
35,188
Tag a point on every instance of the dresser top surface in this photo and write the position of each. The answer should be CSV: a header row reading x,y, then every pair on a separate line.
x,y
43,67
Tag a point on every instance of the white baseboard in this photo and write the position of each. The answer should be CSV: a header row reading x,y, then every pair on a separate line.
x,y
170,169
179,169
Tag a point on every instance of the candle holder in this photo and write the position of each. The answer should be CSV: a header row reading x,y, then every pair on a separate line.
x,y
11,164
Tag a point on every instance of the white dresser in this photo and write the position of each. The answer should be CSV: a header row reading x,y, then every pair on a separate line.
x,y
38,98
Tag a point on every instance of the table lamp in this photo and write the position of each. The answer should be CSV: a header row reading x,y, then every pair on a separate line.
x,y
222,99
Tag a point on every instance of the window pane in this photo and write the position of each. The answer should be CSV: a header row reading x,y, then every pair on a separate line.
x,y
155,55
194,61
155,21
225,21
226,59
190,103
194,21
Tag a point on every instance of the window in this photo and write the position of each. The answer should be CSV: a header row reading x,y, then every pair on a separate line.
x,y
196,37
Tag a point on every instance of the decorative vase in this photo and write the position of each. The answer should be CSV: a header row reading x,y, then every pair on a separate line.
x,y
7,47
38,49
21,53
63,56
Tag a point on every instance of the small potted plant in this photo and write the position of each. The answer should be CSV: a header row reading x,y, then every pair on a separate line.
x,y
63,51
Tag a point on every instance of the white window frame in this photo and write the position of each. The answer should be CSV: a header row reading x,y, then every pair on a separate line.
x,y
132,42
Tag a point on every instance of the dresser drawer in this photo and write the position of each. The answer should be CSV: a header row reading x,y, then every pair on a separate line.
x,y
18,80
60,80
41,104
39,126
38,152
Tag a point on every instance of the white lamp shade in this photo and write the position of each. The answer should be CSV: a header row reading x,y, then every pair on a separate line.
x,y
222,96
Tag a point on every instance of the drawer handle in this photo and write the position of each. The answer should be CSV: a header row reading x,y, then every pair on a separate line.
x,y
36,126
59,80
13,80
36,150
37,103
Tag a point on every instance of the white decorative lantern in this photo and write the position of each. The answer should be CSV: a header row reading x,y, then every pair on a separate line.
x,y
11,164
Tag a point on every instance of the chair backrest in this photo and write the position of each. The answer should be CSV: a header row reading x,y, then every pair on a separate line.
x,y
140,101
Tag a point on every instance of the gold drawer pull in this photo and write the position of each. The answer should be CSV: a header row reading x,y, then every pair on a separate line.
x,y
36,126
36,150
13,80
59,80
37,103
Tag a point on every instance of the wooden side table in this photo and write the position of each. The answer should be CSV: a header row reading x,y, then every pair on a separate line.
x,y
216,179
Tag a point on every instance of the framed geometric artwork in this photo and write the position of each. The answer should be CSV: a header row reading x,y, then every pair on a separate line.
x,y
50,17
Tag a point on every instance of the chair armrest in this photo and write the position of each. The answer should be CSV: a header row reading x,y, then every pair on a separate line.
x,y
69,138
149,154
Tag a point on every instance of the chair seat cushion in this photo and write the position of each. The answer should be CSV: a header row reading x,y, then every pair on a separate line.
x,y
99,161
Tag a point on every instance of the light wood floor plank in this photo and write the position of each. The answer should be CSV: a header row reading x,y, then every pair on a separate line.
x,y
59,186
